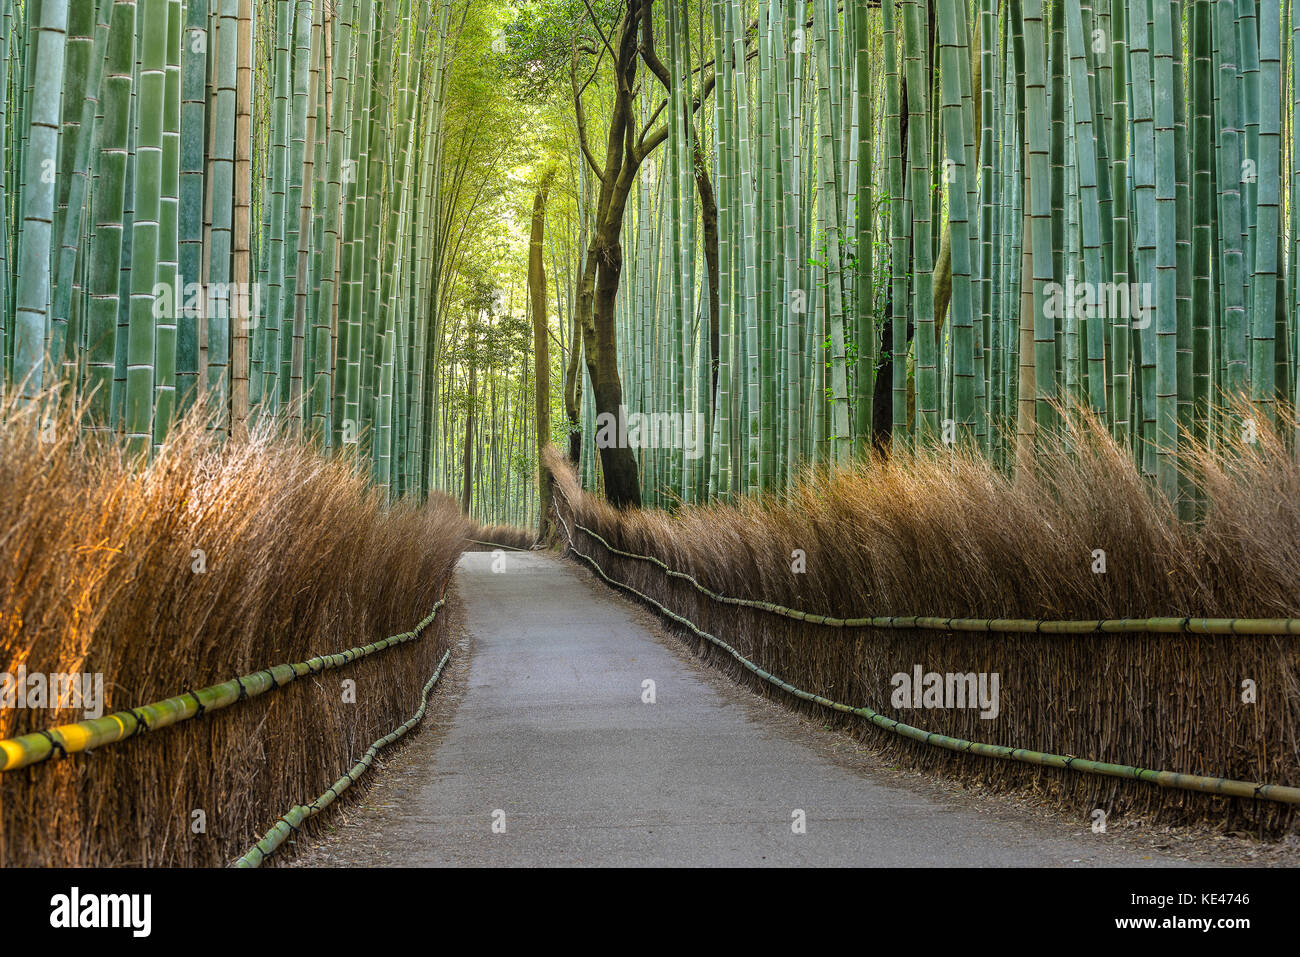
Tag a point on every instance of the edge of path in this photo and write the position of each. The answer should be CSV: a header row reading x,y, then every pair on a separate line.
x,y
402,757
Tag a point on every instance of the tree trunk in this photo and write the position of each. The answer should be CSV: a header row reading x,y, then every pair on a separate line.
x,y
882,412
573,393
622,483
541,354
624,153
466,495
709,216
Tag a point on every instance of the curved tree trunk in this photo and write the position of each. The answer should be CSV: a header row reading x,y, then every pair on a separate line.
x,y
618,464
625,150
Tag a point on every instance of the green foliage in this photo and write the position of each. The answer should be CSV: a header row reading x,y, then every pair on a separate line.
x,y
535,48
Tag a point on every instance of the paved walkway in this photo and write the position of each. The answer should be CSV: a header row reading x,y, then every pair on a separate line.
x,y
551,739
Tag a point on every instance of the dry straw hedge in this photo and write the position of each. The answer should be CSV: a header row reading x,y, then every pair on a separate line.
x,y
487,538
97,574
947,535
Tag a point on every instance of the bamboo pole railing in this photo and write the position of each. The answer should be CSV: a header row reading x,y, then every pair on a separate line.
x,y
1032,626
67,739
292,822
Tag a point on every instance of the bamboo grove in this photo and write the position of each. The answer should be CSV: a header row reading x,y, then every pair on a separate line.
x,y
781,231
941,222
246,207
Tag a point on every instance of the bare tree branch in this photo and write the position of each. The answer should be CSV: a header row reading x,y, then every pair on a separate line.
x,y
603,38
581,114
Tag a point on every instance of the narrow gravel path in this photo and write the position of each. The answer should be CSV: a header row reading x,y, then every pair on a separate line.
x,y
551,739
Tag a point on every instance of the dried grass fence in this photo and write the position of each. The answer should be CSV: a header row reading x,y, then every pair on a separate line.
x,y
947,535
206,565
489,538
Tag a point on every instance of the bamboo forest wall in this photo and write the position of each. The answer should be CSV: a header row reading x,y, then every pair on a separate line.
x,y
848,226
945,223
256,210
